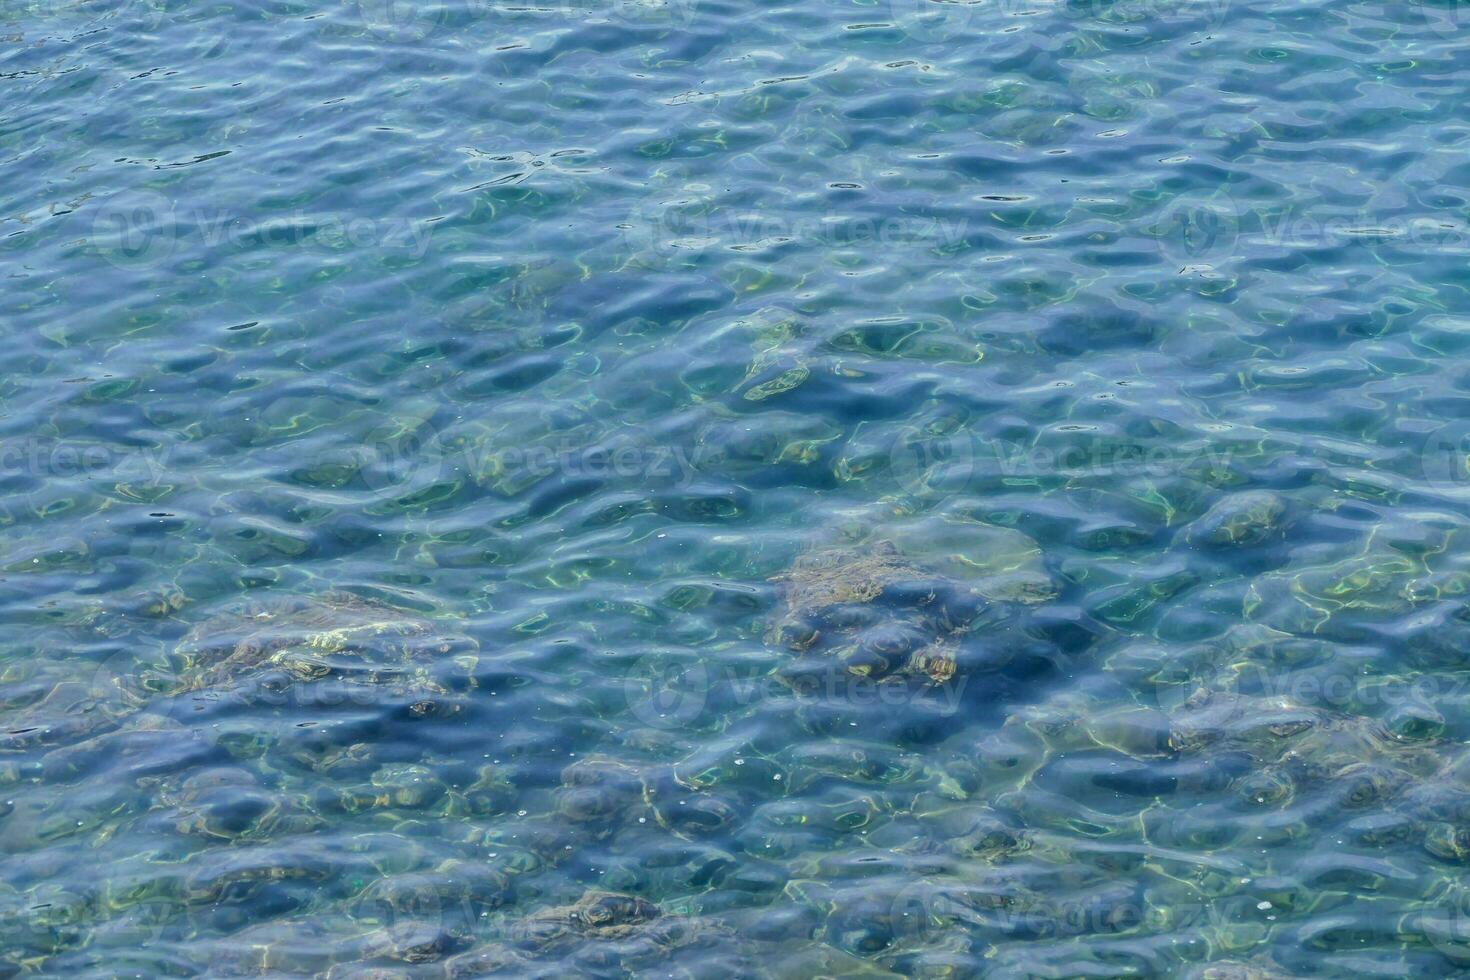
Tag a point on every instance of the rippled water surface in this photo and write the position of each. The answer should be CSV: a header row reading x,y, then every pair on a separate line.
x,y
711,488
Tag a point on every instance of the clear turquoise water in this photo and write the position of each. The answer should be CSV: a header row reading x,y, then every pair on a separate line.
x,y
931,489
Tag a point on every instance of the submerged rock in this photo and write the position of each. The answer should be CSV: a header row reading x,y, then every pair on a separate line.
x,y
452,896
603,930
1239,520
979,832
599,790
317,653
411,942
873,614
1410,575
596,915
334,635
69,712
1311,742
494,960
1448,841
229,803
1438,808
824,579
1260,726
600,794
